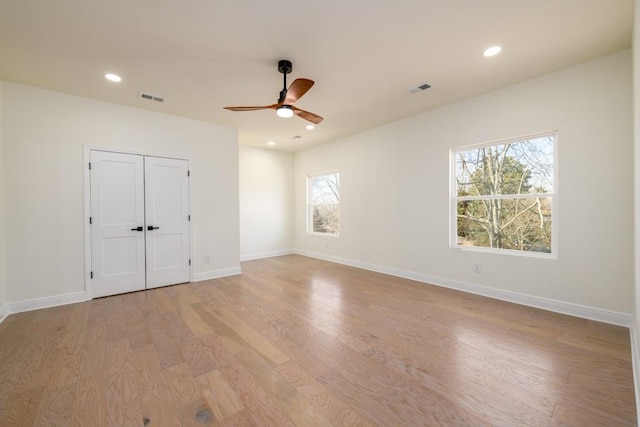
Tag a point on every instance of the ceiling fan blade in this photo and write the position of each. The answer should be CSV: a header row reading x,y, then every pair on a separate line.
x,y
298,88
263,107
313,118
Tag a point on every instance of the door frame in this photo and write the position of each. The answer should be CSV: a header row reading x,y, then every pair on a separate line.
x,y
88,287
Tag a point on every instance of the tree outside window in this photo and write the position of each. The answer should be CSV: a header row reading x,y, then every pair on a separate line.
x,y
504,195
324,203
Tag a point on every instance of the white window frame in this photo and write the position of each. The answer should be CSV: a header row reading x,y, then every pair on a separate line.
x,y
311,205
453,197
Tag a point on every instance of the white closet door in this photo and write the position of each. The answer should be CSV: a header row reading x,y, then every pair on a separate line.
x,y
167,221
117,220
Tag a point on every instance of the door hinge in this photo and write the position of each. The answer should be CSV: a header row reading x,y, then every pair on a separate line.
x,y
188,217
90,220
189,262
92,274
188,173
89,165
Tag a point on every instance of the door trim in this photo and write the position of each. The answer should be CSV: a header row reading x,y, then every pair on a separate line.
x,y
88,288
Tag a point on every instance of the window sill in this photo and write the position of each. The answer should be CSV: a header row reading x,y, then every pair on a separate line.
x,y
314,233
527,254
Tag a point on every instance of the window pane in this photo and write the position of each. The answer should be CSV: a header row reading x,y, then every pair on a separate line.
x,y
325,218
517,224
324,189
521,167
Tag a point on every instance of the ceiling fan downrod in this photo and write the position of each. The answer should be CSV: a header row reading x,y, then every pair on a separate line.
x,y
285,67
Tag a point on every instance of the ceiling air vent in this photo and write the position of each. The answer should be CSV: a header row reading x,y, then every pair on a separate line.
x,y
420,88
150,97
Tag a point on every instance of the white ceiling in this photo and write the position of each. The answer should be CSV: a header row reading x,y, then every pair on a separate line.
x,y
364,55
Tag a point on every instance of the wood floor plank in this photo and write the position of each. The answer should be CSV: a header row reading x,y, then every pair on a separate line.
x,y
370,404
20,409
168,351
283,335
584,416
591,343
333,409
245,302
65,368
228,335
160,300
90,406
185,297
56,407
240,419
253,338
573,358
262,407
300,341
370,381
477,391
197,358
222,399
191,406
241,333
195,323
22,369
123,406
139,334
321,315
299,410
156,403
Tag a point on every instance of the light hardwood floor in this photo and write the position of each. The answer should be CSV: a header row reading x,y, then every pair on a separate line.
x,y
298,341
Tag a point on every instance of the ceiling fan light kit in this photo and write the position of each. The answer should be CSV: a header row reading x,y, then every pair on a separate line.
x,y
284,107
285,111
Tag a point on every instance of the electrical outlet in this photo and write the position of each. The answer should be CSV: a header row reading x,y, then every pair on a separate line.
x,y
477,268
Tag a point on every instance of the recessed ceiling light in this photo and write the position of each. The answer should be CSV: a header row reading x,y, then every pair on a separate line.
x,y
310,127
271,143
113,77
492,51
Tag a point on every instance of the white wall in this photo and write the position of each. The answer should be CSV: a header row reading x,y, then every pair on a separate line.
x,y
395,187
3,268
636,121
44,137
266,202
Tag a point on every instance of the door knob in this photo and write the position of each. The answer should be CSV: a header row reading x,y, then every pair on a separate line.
x,y
138,228
151,227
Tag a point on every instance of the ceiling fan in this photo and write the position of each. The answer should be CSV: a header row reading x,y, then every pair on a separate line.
x,y
284,107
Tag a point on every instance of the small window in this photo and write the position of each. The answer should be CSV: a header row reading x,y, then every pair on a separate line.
x,y
324,203
503,196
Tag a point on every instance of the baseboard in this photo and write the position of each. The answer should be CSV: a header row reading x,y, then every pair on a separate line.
x,y
75,297
269,254
4,312
215,274
577,310
46,302
635,361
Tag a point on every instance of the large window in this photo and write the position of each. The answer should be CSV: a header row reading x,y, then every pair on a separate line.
x,y
503,196
324,203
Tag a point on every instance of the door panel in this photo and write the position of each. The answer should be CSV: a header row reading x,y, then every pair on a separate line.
x,y
120,256
167,208
117,195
